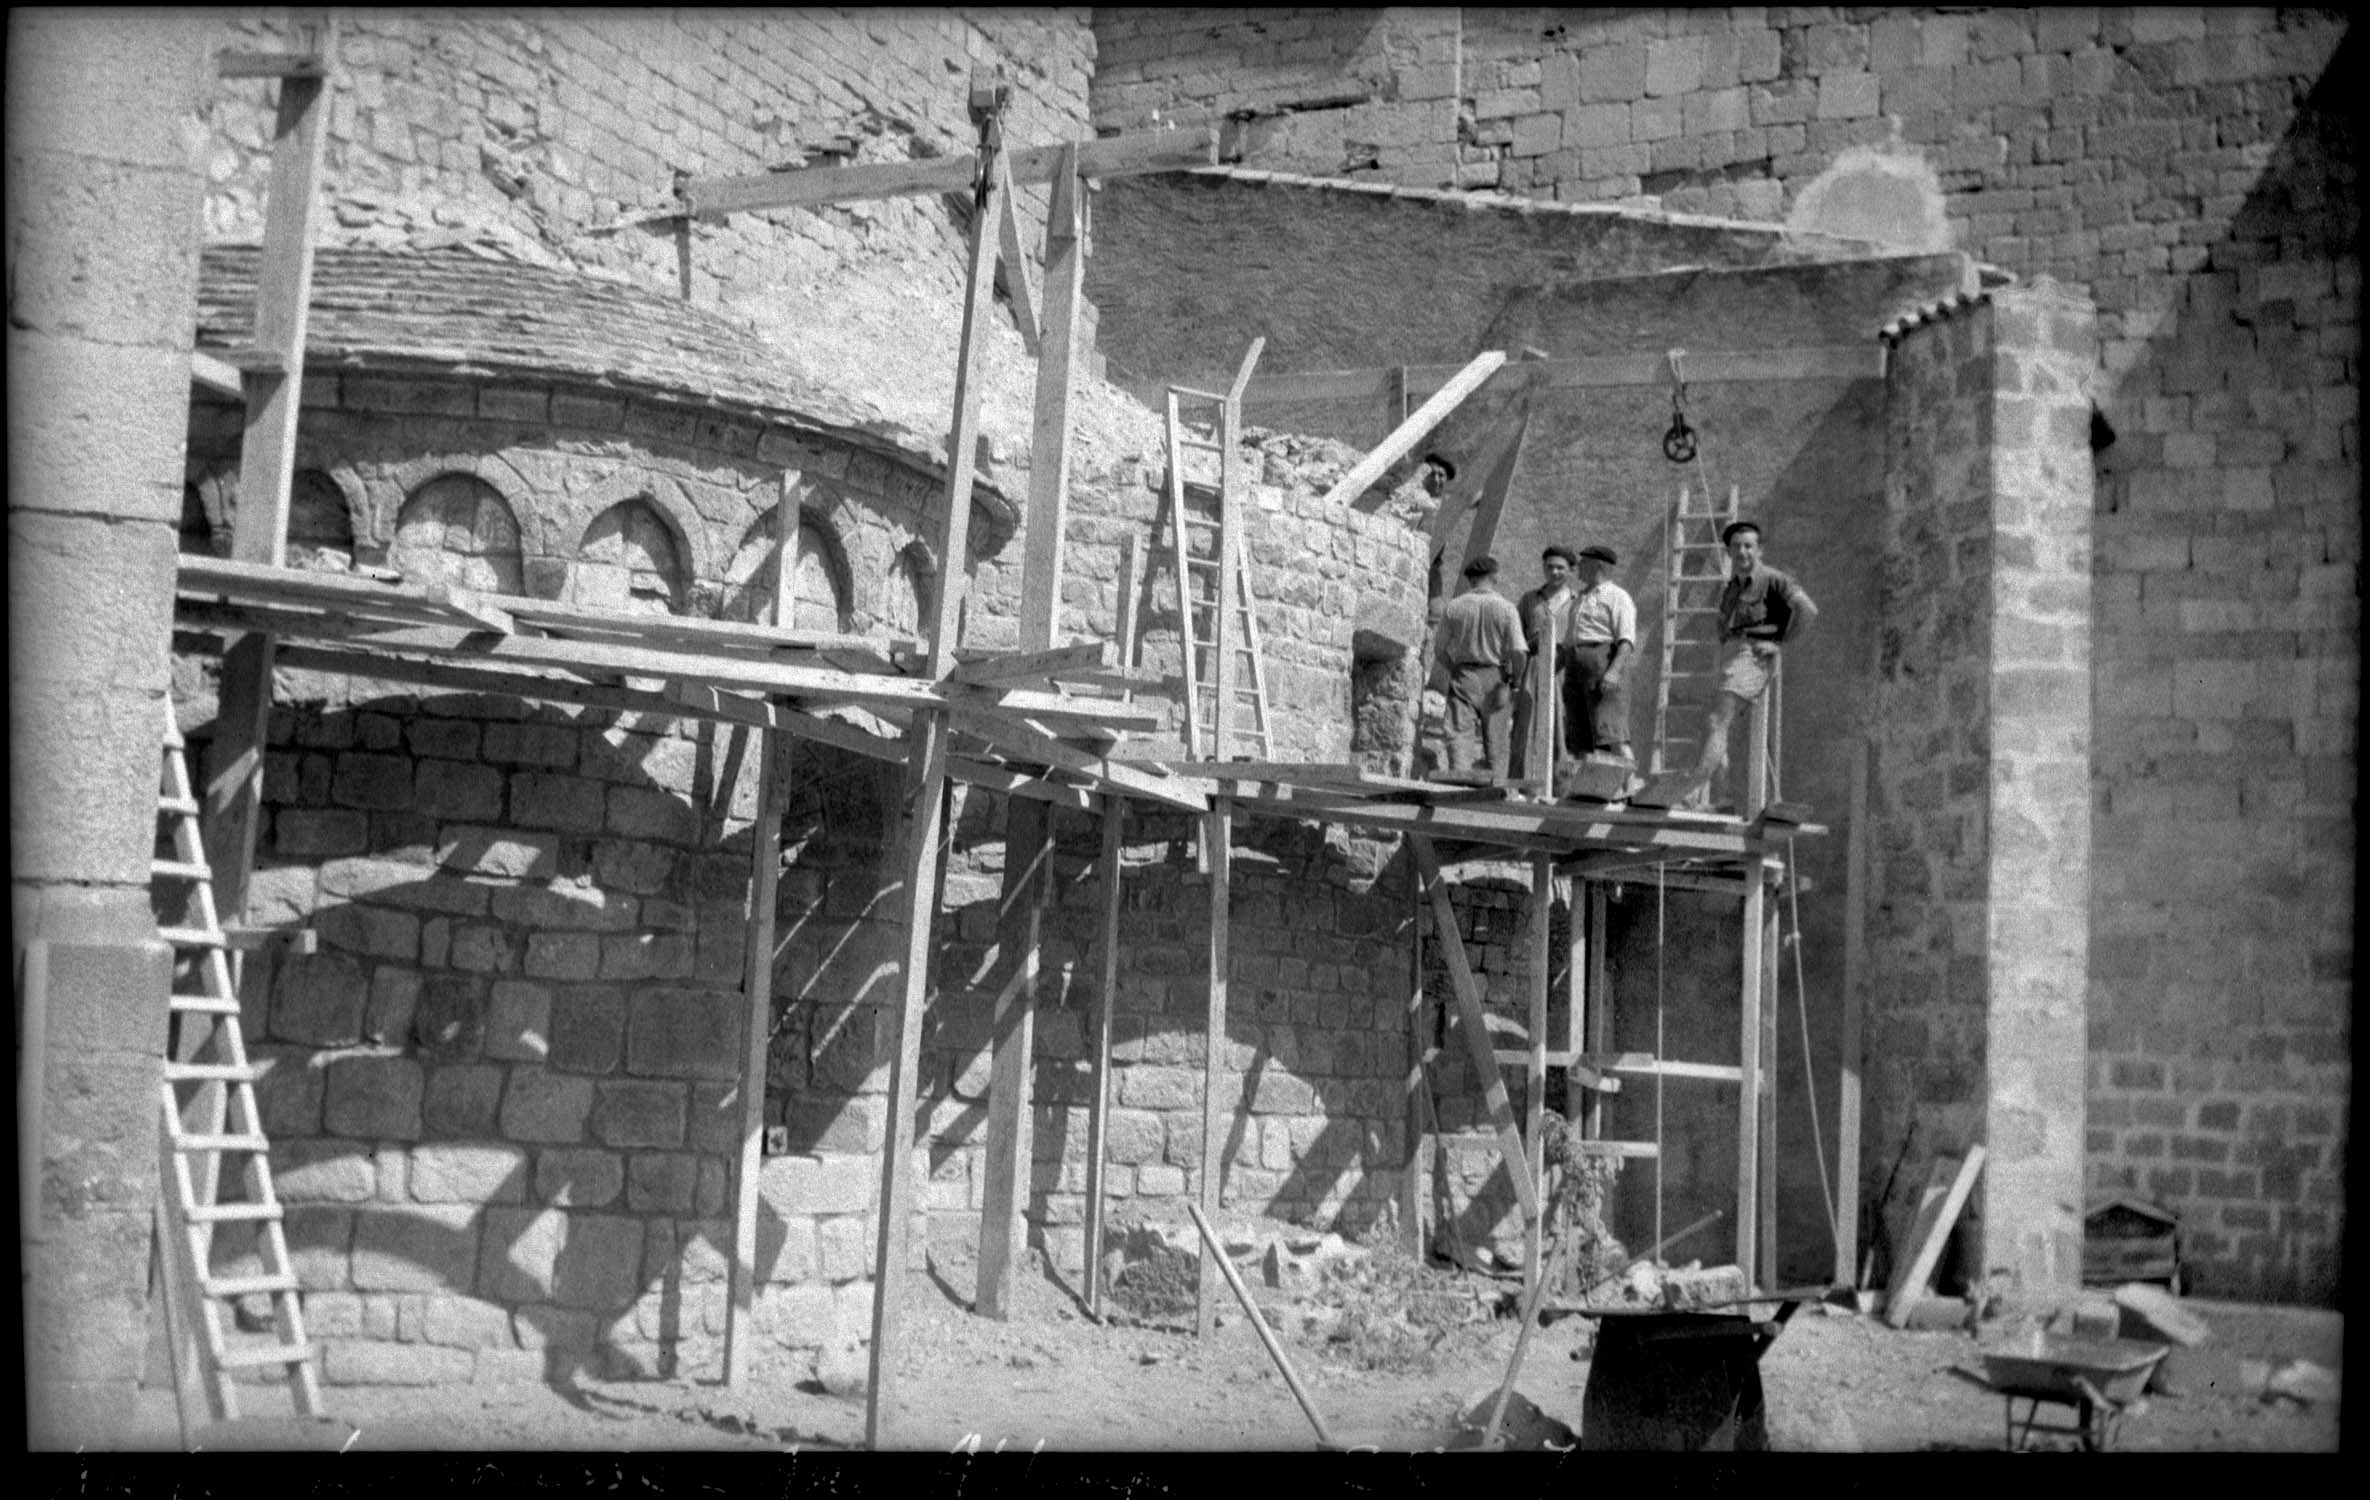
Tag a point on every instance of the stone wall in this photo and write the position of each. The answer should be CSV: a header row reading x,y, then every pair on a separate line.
x,y
1979,839
502,1093
99,331
2192,170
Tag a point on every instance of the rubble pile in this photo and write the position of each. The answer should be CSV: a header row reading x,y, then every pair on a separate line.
x,y
1375,1309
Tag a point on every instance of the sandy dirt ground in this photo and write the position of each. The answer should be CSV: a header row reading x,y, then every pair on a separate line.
x,y
1052,1380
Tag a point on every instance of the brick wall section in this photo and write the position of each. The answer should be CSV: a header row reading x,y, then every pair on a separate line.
x,y
2191,169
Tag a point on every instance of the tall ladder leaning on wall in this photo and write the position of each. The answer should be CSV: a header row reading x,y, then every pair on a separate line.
x,y
1695,570
1216,610
210,1112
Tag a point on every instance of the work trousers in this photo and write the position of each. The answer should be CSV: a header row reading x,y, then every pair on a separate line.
x,y
1596,716
1476,717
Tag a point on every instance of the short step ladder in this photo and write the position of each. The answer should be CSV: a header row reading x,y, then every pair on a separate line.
x,y
1695,570
1226,688
209,1113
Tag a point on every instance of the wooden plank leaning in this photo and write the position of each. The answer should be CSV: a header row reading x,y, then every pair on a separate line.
x,y
1938,1209
1473,1021
1109,871
1008,1160
267,461
757,971
1109,156
1413,431
924,815
1218,839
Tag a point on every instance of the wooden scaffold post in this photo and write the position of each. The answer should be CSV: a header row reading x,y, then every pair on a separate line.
x,y
924,809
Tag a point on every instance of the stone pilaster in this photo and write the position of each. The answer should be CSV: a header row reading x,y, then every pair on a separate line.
x,y
102,213
2037,946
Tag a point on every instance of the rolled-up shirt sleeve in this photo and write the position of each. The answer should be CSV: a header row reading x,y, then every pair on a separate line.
x,y
1625,618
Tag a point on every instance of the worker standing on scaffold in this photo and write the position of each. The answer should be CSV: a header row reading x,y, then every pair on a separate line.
x,y
1760,610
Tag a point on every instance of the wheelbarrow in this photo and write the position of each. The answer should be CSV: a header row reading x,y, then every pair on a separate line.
x,y
1680,1381
2099,1378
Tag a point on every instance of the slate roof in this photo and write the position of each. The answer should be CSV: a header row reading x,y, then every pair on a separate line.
x,y
453,312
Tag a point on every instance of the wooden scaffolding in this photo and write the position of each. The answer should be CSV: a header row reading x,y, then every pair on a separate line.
x,y
1011,722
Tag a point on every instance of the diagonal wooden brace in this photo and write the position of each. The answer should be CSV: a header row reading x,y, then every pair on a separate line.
x,y
1474,1024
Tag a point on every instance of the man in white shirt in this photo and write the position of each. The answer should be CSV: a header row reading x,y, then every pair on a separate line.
x,y
1551,600
1604,641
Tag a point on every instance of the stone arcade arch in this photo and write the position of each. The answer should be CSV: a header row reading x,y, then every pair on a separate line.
x,y
824,593
630,560
458,529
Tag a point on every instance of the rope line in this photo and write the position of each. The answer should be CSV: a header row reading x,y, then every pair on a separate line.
x,y
1660,906
1810,1077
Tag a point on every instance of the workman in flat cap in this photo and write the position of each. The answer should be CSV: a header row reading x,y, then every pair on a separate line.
x,y
1603,632
1545,610
1478,647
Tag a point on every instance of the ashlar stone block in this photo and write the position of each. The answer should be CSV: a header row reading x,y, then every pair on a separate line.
x,y
374,1098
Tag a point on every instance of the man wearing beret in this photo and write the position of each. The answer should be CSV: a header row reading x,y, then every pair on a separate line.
x,y
1478,647
1760,610
1604,637
1551,600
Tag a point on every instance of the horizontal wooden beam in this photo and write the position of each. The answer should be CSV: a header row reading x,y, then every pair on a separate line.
x,y
1013,783
214,376
503,682
262,583
1646,1063
1111,156
1018,666
813,684
236,64
1817,362
1013,736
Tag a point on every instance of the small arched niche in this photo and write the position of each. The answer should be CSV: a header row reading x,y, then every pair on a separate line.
x,y
456,529
320,528
820,592
630,562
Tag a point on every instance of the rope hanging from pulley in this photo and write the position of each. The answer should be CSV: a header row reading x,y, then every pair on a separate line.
x,y
1678,442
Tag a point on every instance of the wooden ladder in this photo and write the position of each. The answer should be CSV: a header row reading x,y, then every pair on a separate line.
x,y
1217,612
209,1113
1695,569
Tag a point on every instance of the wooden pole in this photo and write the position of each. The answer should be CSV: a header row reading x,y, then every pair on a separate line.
x,y
1106,1003
1413,431
757,968
1028,845
1049,436
1600,1006
1215,1252
1535,1069
1752,1066
1004,1198
1415,1107
1490,503
924,813
267,463
1219,842
1855,975
1770,1071
1473,1021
